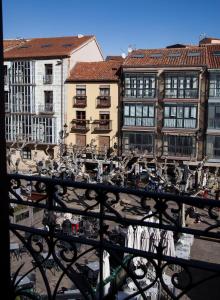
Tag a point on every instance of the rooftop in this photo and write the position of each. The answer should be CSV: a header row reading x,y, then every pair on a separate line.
x,y
45,47
171,57
213,56
95,71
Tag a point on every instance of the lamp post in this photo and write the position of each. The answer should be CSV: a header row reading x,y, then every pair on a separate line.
x,y
62,134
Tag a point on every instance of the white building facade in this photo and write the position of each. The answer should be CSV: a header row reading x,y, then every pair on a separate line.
x,y
35,96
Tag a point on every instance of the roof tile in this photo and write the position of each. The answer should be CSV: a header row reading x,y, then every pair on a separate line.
x,y
95,71
56,47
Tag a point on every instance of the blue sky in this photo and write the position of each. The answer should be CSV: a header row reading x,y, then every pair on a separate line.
x,y
116,23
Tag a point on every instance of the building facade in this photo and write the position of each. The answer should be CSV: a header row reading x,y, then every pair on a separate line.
x,y
164,102
93,100
213,105
35,96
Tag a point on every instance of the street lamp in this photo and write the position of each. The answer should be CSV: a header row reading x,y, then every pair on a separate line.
x,y
63,134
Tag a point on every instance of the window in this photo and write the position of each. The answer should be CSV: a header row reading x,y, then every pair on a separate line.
x,y
80,90
179,116
140,86
139,115
213,147
179,145
104,116
181,86
48,97
22,72
214,116
80,115
48,78
26,153
140,141
5,74
44,129
214,86
104,91
7,105
194,54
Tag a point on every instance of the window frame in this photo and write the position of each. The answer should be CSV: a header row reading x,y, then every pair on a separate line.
x,y
179,86
144,117
179,121
140,85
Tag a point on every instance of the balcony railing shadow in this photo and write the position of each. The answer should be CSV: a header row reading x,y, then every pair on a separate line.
x,y
93,250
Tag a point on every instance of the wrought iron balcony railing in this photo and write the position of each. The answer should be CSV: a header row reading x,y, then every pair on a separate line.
x,y
79,125
103,101
102,125
48,79
80,101
46,108
78,230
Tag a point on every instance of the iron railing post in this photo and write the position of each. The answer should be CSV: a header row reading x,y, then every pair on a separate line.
x,y
4,204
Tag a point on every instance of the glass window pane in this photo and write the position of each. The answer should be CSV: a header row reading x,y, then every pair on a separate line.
x,y
193,112
179,112
126,110
138,110
173,111
179,122
151,111
145,111
195,82
211,111
166,111
186,112
132,111
181,82
138,121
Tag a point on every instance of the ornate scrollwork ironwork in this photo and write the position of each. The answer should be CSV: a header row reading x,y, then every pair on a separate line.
x,y
55,256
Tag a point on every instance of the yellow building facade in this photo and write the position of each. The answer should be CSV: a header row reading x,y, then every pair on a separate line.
x,y
92,106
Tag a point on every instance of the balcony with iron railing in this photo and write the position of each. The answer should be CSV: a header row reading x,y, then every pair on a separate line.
x,y
46,108
48,79
80,101
103,101
79,125
95,253
102,125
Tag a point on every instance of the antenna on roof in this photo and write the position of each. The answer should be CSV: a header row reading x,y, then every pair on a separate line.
x,y
80,35
130,49
202,36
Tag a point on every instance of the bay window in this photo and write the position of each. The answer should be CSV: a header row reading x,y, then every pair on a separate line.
x,y
181,86
176,145
213,147
180,116
139,115
140,86
138,141
214,86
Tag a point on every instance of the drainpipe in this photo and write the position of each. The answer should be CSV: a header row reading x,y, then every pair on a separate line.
x,y
4,211
61,90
